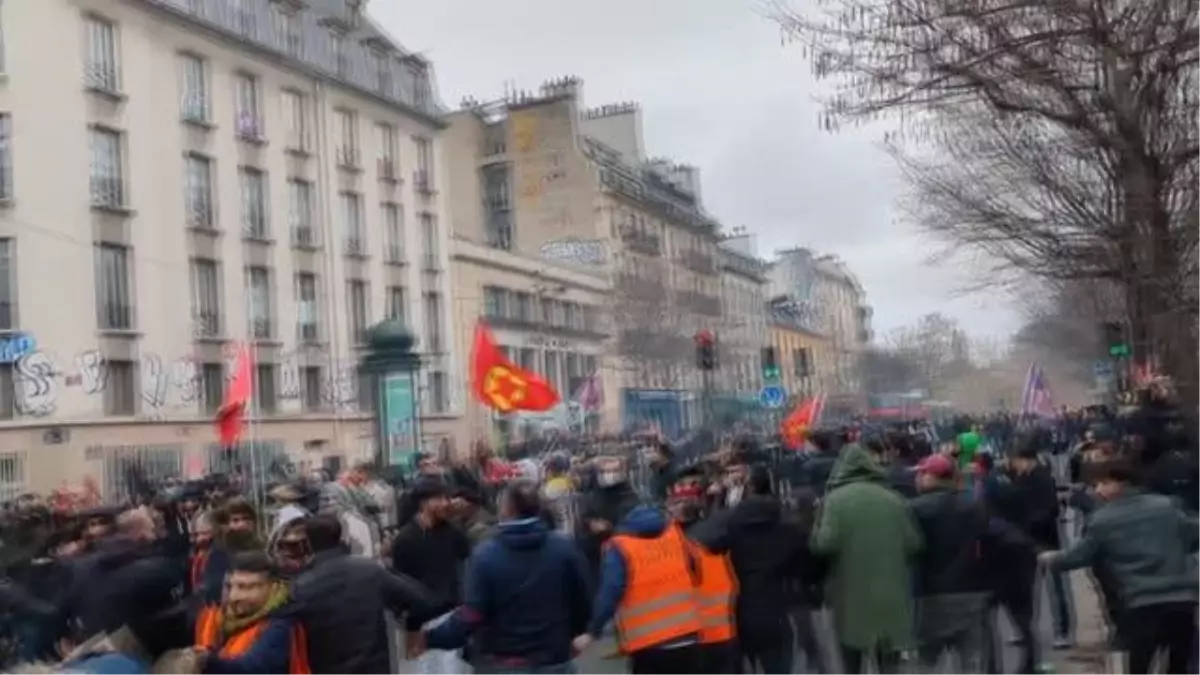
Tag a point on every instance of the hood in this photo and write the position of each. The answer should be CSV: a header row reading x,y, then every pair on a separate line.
x,y
756,510
523,534
644,521
855,465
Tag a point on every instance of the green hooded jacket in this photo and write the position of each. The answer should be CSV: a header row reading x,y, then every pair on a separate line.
x,y
867,534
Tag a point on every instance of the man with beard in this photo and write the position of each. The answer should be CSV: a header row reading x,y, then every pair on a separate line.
x,y
237,532
251,631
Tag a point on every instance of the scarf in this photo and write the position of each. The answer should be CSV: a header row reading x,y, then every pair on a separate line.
x,y
231,625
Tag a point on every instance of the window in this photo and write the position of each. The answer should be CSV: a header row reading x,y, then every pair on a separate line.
x,y
386,140
367,394
433,322
199,190
195,88
212,385
120,388
295,115
310,385
393,232
549,311
107,168
287,29
337,50
254,202
429,241
424,176
422,92
383,72
6,163
264,388
356,290
439,397
347,150
102,71
258,294
114,301
300,212
495,302
396,302
206,298
522,307
306,309
8,296
569,314
352,223
249,113
244,17
8,394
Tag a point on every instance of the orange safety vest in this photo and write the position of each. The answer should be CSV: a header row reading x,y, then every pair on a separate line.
x,y
659,604
208,636
716,594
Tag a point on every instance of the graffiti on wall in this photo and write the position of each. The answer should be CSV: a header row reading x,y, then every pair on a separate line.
x,y
171,385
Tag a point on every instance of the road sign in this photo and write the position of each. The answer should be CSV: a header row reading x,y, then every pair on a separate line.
x,y
772,396
1102,369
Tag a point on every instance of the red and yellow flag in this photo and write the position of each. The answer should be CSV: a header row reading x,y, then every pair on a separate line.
x,y
501,385
796,425
232,413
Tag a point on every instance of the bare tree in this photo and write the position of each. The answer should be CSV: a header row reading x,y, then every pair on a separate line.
x,y
1060,136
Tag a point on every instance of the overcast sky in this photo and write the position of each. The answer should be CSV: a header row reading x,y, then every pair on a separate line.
x,y
718,90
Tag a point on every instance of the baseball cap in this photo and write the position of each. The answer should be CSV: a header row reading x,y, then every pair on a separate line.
x,y
938,466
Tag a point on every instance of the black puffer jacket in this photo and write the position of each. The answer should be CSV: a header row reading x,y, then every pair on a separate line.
x,y
769,555
341,599
955,529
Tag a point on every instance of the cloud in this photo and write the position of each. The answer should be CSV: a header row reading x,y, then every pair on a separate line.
x,y
719,90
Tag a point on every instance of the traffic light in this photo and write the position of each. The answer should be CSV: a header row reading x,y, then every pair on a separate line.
x,y
1114,339
706,350
770,365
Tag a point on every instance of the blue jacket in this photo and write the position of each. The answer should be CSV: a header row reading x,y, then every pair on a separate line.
x,y
526,597
271,653
643,521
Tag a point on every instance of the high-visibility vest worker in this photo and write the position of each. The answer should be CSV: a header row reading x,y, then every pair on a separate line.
x,y
716,594
208,636
659,603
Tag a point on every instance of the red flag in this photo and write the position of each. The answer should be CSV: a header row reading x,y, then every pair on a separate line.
x,y
503,386
796,425
237,397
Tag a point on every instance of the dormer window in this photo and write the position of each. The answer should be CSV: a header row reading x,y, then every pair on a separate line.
x,y
337,48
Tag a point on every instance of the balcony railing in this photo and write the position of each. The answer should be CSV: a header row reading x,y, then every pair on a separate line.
x,y
304,236
354,246
250,128
206,324
422,181
308,331
116,316
641,241
387,170
393,254
701,303
348,158
697,261
108,192
260,328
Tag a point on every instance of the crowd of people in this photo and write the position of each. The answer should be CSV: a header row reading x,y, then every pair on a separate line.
x,y
693,558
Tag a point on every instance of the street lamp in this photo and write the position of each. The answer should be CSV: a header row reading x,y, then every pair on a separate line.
x,y
393,366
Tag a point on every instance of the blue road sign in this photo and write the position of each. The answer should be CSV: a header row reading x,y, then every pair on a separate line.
x,y
772,396
1102,369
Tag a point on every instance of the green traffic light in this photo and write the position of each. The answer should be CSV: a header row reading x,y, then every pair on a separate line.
x,y
1118,350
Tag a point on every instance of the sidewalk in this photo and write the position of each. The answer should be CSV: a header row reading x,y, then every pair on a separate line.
x,y
1091,633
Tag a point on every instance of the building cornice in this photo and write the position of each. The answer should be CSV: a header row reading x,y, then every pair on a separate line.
x,y
181,14
467,251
